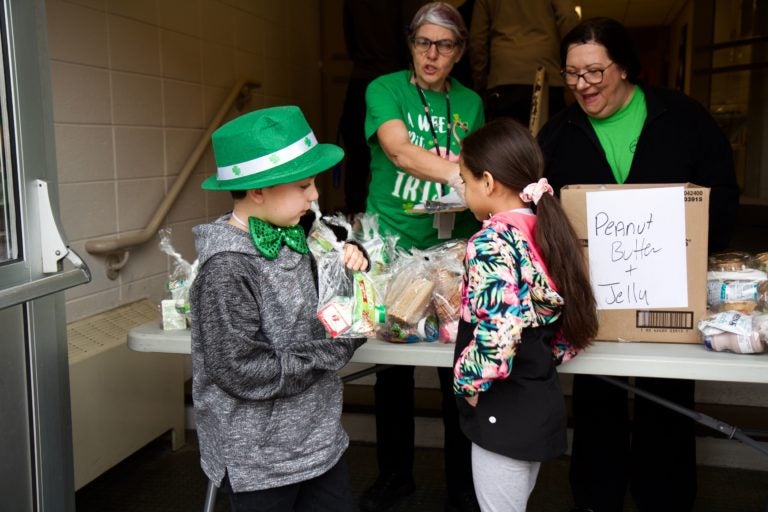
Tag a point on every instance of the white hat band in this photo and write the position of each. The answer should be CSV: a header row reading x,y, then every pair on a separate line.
x,y
270,161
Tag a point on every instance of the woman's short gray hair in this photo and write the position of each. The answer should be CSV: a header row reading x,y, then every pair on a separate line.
x,y
443,15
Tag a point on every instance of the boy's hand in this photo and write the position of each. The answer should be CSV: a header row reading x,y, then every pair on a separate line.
x,y
354,258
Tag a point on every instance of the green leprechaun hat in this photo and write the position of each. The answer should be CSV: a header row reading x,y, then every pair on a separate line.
x,y
268,147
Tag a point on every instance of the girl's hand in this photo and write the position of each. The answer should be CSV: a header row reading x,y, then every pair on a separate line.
x,y
354,258
472,400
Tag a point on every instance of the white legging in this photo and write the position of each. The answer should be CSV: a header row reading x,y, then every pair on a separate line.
x,y
502,484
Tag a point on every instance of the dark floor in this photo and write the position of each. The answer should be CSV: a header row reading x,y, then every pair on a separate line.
x,y
156,479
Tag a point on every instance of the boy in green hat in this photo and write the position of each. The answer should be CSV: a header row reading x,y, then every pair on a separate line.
x,y
266,394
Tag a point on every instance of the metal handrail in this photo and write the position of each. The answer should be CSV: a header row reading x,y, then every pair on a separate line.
x,y
116,249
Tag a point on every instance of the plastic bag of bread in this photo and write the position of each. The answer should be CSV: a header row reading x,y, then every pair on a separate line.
x,y
733,261
346,300
447,260
410,315
735,332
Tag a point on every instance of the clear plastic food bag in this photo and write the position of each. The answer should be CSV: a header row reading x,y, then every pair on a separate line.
x,y
410,314
446,261
346,300
733,331
175,311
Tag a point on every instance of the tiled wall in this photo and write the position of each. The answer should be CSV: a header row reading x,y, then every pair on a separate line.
x,y
135,83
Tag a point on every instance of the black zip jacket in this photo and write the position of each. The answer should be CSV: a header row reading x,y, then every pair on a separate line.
x,y
679,143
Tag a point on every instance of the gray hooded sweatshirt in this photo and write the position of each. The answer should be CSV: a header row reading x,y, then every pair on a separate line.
x,y
266,394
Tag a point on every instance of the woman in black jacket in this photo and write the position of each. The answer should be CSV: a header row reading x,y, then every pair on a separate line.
x,y
620,131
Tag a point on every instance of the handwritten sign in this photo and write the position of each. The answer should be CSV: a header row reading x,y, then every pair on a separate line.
x,y
637,254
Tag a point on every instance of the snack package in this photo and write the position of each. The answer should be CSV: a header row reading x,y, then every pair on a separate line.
x,y
410,315
178,285
735,332
346,300
744,290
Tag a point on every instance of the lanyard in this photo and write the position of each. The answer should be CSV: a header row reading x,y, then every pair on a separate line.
x,y
432,126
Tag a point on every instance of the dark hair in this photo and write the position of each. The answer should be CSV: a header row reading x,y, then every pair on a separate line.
x,y
238,194
443,15
507,150
612,35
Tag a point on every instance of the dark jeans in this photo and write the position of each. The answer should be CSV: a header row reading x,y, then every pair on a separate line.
x,y
329,492
515,101
394,394
655,452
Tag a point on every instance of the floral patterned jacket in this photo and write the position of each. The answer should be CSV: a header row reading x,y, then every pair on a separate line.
x,y
506,288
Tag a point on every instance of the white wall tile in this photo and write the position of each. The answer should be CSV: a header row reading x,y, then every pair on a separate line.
x,y
88,305
88,209
134,46
152,288
277,81
220,22
250,66
180,56
99,5
213,98
76,34
135,85
139,152
137,99
142,10
179,144
145,260
80,94
180,15
84,152
137,201
272,12
183,104
191,201
249,33
218,65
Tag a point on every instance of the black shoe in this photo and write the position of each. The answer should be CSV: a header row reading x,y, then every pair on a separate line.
x,y
385,492
462,502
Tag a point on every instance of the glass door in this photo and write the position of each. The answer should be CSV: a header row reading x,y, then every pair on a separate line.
x,y
35,429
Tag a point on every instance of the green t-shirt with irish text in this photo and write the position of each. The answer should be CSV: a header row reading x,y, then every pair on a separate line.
x,y
393,191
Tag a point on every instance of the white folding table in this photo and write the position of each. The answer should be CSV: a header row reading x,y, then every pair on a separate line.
x,y
604,359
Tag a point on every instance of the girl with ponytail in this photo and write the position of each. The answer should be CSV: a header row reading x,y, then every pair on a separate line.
x,y
527,305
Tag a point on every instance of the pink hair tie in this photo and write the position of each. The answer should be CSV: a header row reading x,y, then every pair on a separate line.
x,y
534,191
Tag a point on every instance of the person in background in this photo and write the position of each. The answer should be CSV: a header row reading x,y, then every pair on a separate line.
x,y
373,33
526,306
462,71
509,40
266,395
621,131
415,121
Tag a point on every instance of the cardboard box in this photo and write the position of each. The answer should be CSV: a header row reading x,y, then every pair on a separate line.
x,y
637,322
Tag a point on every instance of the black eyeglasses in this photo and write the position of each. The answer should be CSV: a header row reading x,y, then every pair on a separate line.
x,y
592,76
444,46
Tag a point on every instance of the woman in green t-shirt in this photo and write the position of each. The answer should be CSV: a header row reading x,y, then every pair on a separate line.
x,y
415,121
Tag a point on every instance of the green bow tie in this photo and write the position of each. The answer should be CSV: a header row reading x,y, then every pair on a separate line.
x,y
268,239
